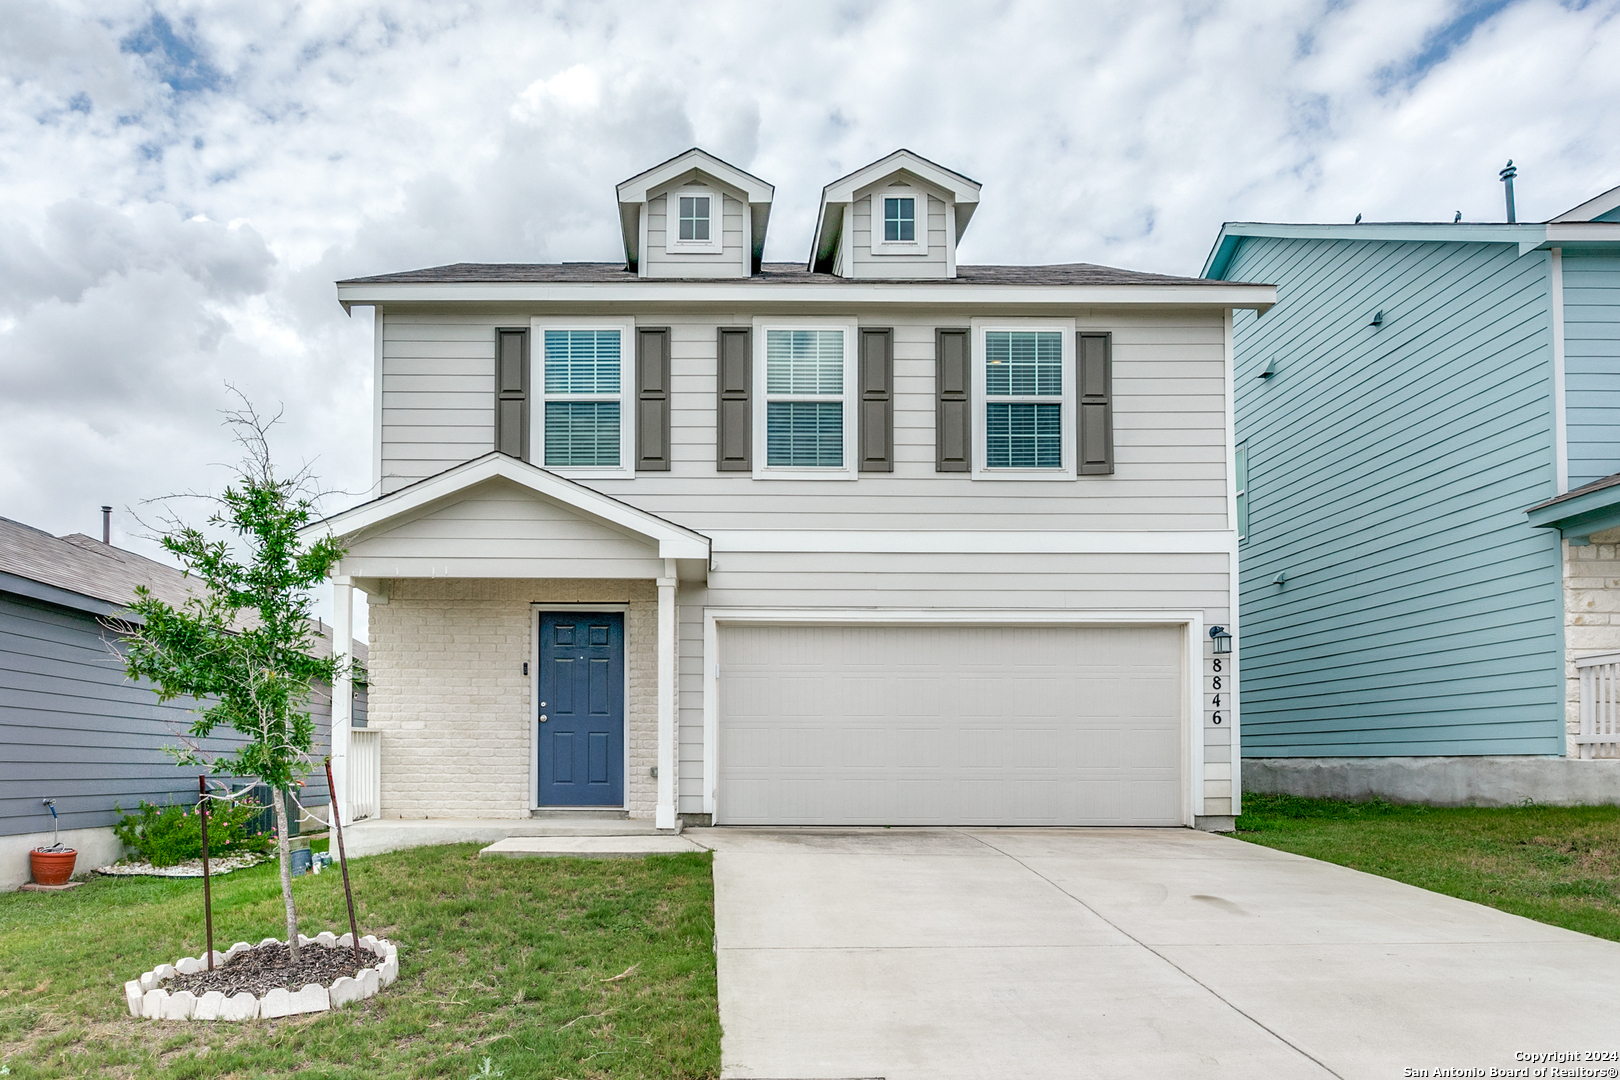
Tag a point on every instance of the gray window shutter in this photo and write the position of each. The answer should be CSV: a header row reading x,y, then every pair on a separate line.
x,y
953,414
877,400
734,420
652,400
1094,388
512,392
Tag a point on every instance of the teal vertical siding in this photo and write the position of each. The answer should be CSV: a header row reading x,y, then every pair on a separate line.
x,y
1592,365
1388,472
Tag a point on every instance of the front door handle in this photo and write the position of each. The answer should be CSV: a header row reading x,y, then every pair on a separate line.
x,y
542,718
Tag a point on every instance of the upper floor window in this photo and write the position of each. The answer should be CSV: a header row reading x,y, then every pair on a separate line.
x,y
899,219
807,404
694,217
1023,382
584,417
1025,412
694,221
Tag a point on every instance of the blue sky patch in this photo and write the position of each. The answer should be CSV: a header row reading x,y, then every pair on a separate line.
x,y
173,58
1442,42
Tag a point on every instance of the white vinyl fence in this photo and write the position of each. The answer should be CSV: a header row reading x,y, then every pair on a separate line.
x,y
1600,705
365,773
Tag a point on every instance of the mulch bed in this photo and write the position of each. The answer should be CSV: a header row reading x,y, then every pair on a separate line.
x,y
262,969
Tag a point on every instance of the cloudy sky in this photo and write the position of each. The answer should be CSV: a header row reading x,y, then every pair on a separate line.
x,y
181,183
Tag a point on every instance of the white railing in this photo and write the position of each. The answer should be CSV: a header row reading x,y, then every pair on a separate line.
x,y
365,773
1600,705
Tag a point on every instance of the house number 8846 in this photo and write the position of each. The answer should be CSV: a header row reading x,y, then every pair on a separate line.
x,y
1215,684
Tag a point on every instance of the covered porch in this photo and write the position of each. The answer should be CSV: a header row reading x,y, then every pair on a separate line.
x,y
523,656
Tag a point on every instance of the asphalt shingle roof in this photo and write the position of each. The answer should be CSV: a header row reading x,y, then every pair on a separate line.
x,y
771,274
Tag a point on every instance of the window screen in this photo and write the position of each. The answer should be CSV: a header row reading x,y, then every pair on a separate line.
x,y
582,415
899,219
1023,387
804,408
694,217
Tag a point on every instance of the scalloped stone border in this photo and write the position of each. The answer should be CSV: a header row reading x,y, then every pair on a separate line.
x,y
147,999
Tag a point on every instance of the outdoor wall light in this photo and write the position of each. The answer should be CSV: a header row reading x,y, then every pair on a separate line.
x,y
1222,640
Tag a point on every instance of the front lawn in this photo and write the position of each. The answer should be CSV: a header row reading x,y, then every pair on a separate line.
x,y
548,967
1554,864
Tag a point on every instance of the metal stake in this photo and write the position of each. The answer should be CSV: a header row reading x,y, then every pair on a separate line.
x,y
208,896
343,861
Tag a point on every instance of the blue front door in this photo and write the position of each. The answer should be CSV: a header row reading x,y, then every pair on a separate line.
x,y
581,714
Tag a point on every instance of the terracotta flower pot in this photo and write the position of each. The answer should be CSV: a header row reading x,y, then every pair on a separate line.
x,y
52,867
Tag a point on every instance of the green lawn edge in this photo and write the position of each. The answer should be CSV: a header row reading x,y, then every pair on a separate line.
x,y
548,967
1555,864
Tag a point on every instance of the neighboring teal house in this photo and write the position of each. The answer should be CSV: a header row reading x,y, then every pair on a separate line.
x,y
1418,419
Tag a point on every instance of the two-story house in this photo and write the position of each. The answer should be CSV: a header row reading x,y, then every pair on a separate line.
x,y
1428,429
877,539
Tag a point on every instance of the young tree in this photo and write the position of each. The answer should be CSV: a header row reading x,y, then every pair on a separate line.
x,y
244,647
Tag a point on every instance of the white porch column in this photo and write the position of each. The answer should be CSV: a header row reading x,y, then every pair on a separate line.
x,y
342,693
665,816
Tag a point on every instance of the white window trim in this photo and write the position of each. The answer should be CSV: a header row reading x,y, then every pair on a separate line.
x,y
539,397
673,245
981,471
762,471
881,246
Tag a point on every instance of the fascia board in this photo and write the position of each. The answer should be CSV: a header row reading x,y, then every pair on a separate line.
x,y
636,188
674,542
959,187
1565,512
1591,208
17,585
1577,235
861,293
1220,256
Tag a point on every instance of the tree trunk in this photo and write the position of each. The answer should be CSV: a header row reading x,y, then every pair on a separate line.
x,y
284,849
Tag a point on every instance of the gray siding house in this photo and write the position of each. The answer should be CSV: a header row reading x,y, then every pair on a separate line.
x,y
73,728
877,538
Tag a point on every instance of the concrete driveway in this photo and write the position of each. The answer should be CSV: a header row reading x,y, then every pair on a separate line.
x,y
1019,953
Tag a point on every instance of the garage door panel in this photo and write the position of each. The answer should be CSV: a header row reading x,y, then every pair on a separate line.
x,y
950,725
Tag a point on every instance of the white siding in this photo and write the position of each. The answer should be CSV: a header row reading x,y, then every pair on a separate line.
x,y
500,530
730,262
1170,435
864,264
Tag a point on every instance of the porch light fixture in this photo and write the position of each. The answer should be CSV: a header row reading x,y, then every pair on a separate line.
x,y
1222,640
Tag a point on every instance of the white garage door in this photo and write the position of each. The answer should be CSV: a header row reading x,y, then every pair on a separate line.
x,y
949,725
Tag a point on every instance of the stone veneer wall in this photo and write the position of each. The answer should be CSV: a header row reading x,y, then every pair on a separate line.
x,y
1591,613
449,694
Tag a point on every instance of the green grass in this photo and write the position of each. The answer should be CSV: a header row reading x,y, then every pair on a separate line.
x,y
1554,864
511,959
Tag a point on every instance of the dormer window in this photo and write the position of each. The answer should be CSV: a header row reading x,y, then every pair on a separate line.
x,y
694,221
899,219
694,217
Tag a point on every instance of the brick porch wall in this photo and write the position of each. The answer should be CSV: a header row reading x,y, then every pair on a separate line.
x,y
1591,612
448,692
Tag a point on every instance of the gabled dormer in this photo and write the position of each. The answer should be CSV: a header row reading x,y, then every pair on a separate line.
x,y
694,216
899,217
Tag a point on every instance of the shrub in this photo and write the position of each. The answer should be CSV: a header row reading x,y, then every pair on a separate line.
x,y
166,835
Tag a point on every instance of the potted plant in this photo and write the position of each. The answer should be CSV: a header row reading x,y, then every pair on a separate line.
x,y
52,865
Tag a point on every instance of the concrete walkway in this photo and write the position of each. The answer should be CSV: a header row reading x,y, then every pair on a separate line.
x,y
946,953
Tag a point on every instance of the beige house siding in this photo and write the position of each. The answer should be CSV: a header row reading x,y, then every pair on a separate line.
x,y
449,693
1169,430
1591,614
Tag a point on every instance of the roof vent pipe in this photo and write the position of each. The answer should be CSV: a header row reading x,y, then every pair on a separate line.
x,y
106,525
1507,176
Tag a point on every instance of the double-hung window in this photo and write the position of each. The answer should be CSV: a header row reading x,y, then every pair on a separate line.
x,y
1241,482
1025,397
585,416
693,221
807,374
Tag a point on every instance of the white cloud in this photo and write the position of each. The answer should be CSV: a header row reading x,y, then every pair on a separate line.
x,y
181,183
